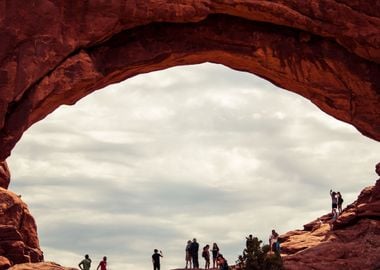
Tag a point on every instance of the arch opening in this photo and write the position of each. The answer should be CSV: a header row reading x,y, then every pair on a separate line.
x,y
218,118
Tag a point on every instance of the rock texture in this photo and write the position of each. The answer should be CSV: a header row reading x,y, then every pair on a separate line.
x,y
40,266
352,243
5,175
18,232
56,52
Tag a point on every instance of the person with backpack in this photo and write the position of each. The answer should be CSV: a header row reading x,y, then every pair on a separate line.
x,y
206,256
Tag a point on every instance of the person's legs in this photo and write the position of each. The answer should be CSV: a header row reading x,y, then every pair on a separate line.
x,y
195,261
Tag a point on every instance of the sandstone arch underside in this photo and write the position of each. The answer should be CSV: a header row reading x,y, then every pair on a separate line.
x,y
56,52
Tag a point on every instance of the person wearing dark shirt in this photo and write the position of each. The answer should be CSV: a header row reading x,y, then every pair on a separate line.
x,y
222,262
194,253
156,259
86,263
215,252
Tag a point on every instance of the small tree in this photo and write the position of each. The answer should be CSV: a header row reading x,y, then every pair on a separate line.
x,y
256,257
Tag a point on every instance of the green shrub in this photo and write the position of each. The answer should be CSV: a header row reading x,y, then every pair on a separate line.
x,y
257,257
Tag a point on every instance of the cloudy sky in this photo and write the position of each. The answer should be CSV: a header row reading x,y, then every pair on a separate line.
x,y
196,151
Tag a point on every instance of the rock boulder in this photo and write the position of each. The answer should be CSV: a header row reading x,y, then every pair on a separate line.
x,y
18,232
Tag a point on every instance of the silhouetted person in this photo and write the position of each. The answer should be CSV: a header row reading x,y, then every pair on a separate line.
x,y
206,256
340,202
188,254
215,253
334,201
156,259
85,264
103,264
194,247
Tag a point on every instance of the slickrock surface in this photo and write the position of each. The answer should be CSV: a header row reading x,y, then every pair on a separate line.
x,y
40,266
353,243
18,232
56,52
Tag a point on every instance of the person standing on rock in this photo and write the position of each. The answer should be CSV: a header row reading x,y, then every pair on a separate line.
x,y
340,202
194,253
273,242
206,256
156,259
334,201
103,264
188,255
85,264
215,253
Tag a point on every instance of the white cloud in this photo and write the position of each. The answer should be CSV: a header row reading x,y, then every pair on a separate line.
x,y
196,151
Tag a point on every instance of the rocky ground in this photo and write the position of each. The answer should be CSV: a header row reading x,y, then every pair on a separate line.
x,y
352,243
40,266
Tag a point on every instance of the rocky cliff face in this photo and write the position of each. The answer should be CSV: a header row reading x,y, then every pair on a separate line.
x,y
18,232
352,242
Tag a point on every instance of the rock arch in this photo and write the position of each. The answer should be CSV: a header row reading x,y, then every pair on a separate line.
x,y
56,52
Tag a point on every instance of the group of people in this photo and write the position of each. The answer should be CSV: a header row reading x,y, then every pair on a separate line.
x,y
192,247
85,264
336,205
191,257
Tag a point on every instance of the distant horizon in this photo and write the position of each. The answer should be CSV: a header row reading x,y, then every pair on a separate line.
x,y
198,151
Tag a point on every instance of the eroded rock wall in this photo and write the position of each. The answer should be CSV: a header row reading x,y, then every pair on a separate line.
x,y
18,232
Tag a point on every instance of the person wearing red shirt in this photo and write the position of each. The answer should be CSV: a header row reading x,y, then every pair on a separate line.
x,y
103,264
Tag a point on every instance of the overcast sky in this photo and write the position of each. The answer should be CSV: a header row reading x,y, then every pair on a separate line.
x,y
195,151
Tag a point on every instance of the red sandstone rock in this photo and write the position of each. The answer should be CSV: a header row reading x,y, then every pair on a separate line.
x,y
56,52
5,175
40,266
18,232
354,243
4,263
